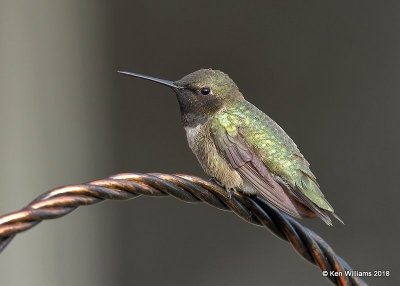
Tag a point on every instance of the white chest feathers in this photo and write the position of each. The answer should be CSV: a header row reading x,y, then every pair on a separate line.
x,y
192,135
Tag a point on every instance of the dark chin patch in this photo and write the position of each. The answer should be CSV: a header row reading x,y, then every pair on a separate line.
x,y
196,109
192,120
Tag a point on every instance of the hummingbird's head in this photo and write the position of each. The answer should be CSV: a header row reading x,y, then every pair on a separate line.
x,y
200,94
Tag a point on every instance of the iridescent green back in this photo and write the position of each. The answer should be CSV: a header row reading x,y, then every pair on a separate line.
x,y
278,152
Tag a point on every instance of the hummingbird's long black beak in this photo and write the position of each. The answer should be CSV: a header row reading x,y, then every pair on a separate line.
x,y
161,81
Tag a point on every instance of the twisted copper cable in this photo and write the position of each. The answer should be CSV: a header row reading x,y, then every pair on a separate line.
x,y
61,201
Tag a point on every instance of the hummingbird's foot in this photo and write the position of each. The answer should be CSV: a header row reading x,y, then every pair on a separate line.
x,y
229,192
215,181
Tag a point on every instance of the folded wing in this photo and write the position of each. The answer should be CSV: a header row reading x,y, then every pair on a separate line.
x,y
256,175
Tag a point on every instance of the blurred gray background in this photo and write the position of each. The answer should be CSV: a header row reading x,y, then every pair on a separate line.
x,y
328,73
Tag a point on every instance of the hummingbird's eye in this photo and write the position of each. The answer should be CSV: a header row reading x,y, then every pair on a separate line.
x,y
205,91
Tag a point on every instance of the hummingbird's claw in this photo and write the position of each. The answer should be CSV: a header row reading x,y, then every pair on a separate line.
x,y
229,192
215,181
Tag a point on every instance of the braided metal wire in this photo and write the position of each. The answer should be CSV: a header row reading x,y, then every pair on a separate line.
x,y
61,201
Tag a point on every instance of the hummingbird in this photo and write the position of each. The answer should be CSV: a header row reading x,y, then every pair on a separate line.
x,y
242,148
